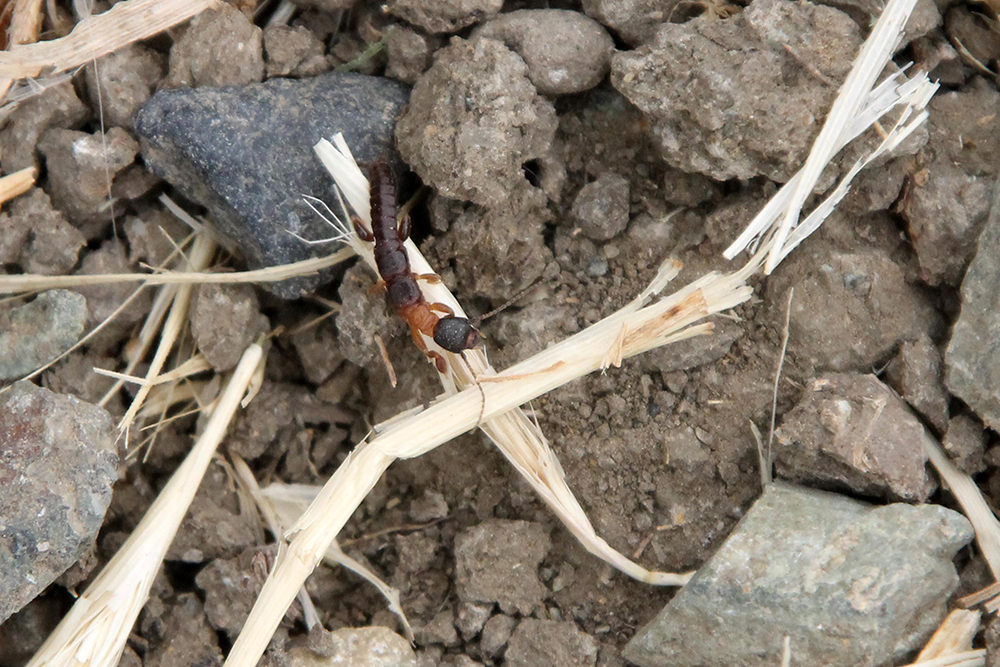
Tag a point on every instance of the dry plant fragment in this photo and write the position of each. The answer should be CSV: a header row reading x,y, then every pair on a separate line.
x,y
94,632
98,35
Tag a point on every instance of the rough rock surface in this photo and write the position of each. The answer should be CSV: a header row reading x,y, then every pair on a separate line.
x,y
877,308
220,47
917,375
59,462
565,51
972,359
635,21
104,300
38,237
293,51
947,199
57,107
497,561
185,638
211,142
556,643
852,432
601,207
358,647
849,583
758,108
965,443
443,15
80,165
409,54
33,334
231,585
225,319
496,633
123,80
474,119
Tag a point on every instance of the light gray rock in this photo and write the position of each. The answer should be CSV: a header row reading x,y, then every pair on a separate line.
x,y
357,647
555,643
849,583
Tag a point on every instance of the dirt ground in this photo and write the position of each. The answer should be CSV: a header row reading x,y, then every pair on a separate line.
x,y
591,192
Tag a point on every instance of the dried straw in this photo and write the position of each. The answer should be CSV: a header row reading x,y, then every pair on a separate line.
x,y
94,632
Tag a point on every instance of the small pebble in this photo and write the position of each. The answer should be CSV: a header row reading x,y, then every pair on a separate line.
x,y
601,207
293,51
56,107
536,642
122,81
225,319
220,47
496,632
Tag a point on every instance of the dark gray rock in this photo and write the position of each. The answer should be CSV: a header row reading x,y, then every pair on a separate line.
x,y
34,334
555,643
246,153
849,583
58,464
497,561
972,360
565,51
851,432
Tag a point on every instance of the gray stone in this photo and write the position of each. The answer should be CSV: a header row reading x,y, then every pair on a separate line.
x,y
34,334
56,107
496,633
601,207
225,319
409,54
471,618
59,462
475,150
555,643
965,443
972,360
916,374
220,47
497,561
565,51
849,583
876,308
852,432
357,647
123,80
635,21
246,154
293,51
80,165
187,638
757,109
443,15
438,630
41,239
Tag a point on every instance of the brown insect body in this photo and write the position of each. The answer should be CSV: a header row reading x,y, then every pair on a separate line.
x,y
402,292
